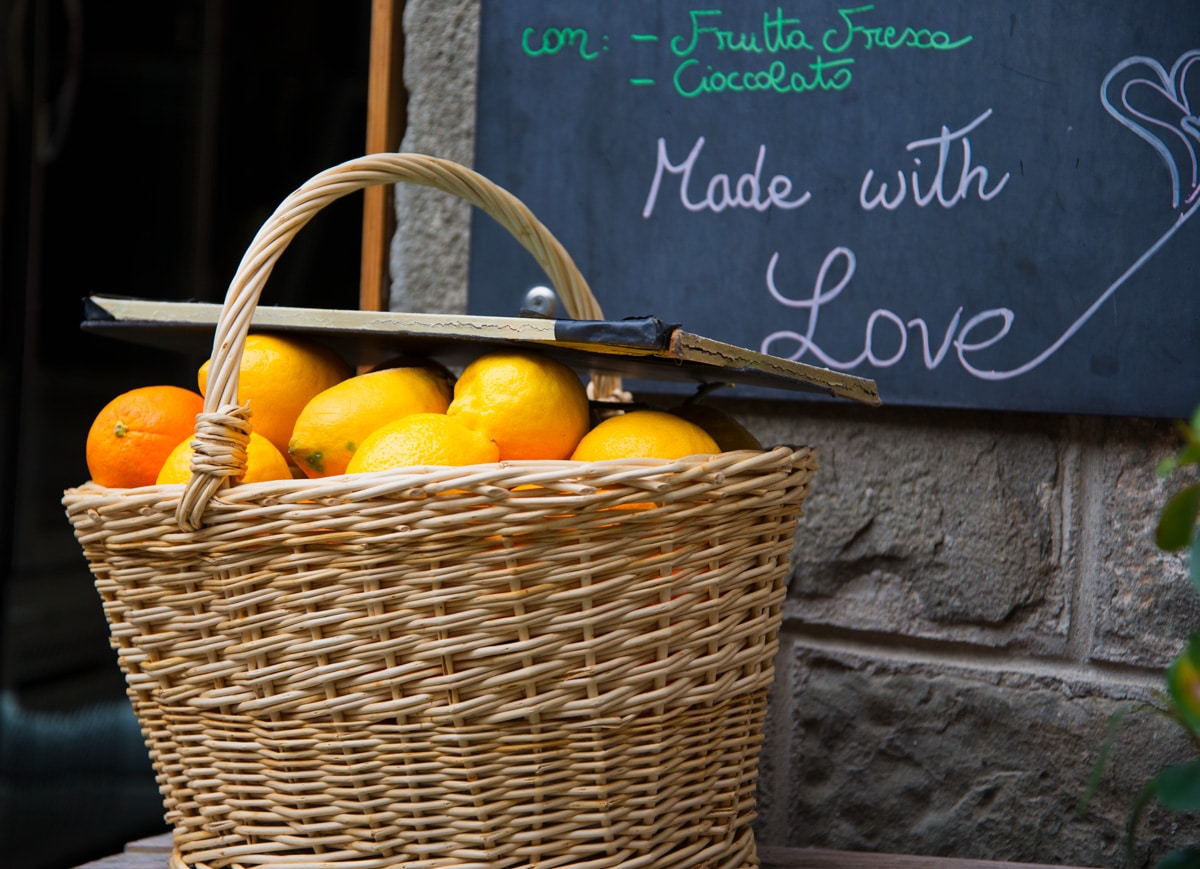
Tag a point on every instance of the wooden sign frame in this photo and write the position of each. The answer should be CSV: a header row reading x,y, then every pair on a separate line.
x,y
386,112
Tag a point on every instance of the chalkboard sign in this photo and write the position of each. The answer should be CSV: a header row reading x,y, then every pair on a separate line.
x,y
976,204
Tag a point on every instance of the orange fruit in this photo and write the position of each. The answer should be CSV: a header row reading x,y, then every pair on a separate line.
x,y
724,429
263,462
135,432
334,422
532,406
279,374
648,434
422,439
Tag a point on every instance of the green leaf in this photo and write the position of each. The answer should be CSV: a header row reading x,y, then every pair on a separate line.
x,y
1177,520
1179,787
1189,455
1195,432
1184,858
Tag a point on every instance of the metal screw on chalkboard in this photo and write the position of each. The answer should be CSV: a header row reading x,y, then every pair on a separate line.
x,y
540,302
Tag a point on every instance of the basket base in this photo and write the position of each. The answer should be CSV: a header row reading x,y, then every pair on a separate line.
x,y
742,854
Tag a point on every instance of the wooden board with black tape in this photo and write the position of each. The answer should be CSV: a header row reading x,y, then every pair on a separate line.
x,y
646,348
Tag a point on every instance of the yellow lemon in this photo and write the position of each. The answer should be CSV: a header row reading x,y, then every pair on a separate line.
x,y
649,434
422,439
335,422
532,406
279,374
263,462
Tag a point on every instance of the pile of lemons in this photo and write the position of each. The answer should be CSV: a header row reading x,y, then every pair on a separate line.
x,y
313,416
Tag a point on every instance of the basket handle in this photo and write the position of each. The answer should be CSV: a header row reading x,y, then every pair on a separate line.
x,y
223,429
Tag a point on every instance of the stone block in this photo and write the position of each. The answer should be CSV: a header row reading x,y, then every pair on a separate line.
x,y
1144,602
428,259
893,757
939,525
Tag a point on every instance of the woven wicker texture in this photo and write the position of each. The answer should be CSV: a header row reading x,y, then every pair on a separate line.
x,y
510,665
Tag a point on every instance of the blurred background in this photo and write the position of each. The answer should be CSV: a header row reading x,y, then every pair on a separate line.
x,y
142,143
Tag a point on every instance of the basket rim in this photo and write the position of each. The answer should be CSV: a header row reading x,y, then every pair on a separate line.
x,y
563,477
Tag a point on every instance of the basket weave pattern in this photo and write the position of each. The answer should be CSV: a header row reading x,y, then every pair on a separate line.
x,y
511,665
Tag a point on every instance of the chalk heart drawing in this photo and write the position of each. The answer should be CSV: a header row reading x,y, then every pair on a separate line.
x,y
1161,107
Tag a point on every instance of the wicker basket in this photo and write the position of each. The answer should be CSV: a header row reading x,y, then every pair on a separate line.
x,y
510,665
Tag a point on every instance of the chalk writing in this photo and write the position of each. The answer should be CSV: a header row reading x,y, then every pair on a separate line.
x,y
552,40
998,320
747,192
778,38
936,187
778,34
690,82
961,338
886,36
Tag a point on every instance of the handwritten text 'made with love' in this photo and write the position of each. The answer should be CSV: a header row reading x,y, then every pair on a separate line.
x,y
944,172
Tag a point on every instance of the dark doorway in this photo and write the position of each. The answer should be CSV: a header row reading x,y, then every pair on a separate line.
x,y
142,145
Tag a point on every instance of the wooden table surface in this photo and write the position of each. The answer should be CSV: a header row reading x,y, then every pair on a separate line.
x,y
152,853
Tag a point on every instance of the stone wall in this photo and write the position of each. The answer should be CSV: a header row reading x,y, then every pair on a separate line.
x,y
974,594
